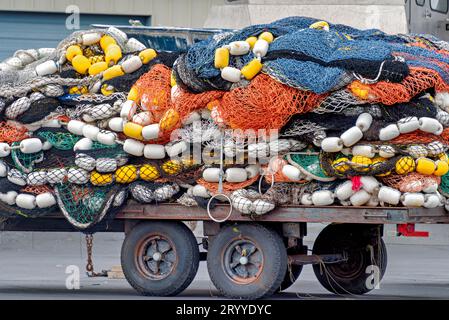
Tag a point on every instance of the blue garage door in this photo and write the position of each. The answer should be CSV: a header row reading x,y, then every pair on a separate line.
x,y
22,30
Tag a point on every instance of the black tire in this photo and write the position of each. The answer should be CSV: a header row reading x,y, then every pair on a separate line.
x,y
168,274
349,277
261,275
292,274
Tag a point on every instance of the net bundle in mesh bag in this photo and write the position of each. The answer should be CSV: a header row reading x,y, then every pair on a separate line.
x,y
412,182
154,90
149,192
85,205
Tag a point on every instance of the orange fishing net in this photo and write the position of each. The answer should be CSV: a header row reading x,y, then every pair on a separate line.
x,y
413,182
154,91
36,189
187,102
421,137
12,133
228,187
265,104
419,80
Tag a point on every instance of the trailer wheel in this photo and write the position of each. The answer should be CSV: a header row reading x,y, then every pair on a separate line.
x,y
366,259
247,261
160,258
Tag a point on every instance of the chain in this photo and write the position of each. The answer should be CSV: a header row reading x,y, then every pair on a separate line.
x,y
90,265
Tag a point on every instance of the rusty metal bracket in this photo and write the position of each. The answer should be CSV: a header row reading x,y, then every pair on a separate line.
x,y
302,259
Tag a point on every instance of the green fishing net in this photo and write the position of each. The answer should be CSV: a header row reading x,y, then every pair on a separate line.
x,y
25,161
60,140
309,165
84,205
444,186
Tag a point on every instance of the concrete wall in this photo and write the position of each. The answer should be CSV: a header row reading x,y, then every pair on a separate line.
x,y
387,15
181,13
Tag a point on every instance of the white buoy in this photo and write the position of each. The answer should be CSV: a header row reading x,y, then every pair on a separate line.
x,y
3,169
291,172
45,200
177,148
323,198
5,150
370,184
389,132
46,68
134,45
373,201
261,207
10,198
429,125
360,198
413,199
200,191
90,38
32,145
386,151
106,137
154,151
85,162
260,48
344,191
132,64
91,132
83,145
239,48
351,136
211,174
78,176
432,201
235,175
37,178
306,199
333,144
76,127
133,147
26,201
364,121
408,124
252,170
56,175
231,74
363,150
106,165
242,204
116,124
151,132
128,109
389,195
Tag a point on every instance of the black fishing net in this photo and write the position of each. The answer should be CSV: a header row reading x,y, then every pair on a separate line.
x,y
38,110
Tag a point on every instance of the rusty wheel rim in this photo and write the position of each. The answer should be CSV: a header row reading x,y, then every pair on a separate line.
x,y
156,257
243,261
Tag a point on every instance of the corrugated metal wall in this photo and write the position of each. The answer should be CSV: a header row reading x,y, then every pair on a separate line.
x,y
180,13
23,30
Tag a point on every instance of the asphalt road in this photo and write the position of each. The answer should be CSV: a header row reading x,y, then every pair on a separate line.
x,y
38,272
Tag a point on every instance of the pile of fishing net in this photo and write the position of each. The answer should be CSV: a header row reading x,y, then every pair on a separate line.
x,y
296,112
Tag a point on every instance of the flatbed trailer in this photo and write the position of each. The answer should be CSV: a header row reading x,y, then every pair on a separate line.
x,y
251,256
